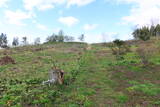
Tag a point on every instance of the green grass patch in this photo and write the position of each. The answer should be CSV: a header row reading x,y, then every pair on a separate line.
x,y
148,89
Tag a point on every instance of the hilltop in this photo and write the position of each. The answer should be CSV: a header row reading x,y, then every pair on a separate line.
x,y
98,79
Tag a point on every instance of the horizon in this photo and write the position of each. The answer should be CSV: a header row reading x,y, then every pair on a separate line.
x,y
97,20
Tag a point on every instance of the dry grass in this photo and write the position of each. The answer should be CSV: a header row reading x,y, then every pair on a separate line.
x,y
146,51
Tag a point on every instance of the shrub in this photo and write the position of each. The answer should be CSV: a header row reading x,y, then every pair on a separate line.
x,y
142,33
121,98
145,52
3,40
119,48
15,42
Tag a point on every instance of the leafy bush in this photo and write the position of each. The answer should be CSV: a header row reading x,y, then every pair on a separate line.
x,y
119,48
121,98
145,33
142,33
15,42
3,40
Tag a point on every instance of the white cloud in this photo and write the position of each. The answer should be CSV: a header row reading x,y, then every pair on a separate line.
x,y
90,26
41,27
34,21
78,2
69,21
48,4
56,30
45,7
3,3
143,12
41,4
93,38
98,38
108,37
16,17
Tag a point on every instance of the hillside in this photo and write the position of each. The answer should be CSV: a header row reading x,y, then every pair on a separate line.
x,y
96,80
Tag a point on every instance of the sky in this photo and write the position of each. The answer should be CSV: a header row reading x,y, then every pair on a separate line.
x,y
98,20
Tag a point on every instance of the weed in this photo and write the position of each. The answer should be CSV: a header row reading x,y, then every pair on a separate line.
x,y
148,89
122,98
146,52
95,79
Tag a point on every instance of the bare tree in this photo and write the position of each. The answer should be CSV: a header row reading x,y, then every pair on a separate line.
x,y
68,39
81,37
24,40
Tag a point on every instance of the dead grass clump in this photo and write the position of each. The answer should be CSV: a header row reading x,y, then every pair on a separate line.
x,y
37,49
145,52
7,60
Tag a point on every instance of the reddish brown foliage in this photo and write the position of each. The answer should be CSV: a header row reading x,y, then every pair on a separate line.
x,y
6,60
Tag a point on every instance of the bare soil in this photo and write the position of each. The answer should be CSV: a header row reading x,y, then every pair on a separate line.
x,y
7,60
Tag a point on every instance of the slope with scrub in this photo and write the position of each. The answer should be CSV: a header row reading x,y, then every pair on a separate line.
x,y
97,79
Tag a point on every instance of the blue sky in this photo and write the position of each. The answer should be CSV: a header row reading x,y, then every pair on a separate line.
x,y
99,20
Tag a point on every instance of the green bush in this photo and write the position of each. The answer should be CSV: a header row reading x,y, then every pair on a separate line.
x,y
121,98
119,48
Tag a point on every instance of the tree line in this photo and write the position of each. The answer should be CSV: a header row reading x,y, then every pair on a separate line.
x,y
60,37
145,33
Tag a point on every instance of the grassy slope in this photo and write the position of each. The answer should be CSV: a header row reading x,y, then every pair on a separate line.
x,y
96,80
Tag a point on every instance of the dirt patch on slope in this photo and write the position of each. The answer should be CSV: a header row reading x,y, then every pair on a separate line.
x,y
7,60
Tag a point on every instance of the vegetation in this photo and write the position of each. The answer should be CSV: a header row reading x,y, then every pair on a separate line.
x,y
60,37
119,48
24,41
145,33
81,37
3,40
15,42
117,74
92,77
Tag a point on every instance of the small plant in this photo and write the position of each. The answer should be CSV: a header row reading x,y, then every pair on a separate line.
x,y
145,52
122,98
148,89
74,72
119,48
